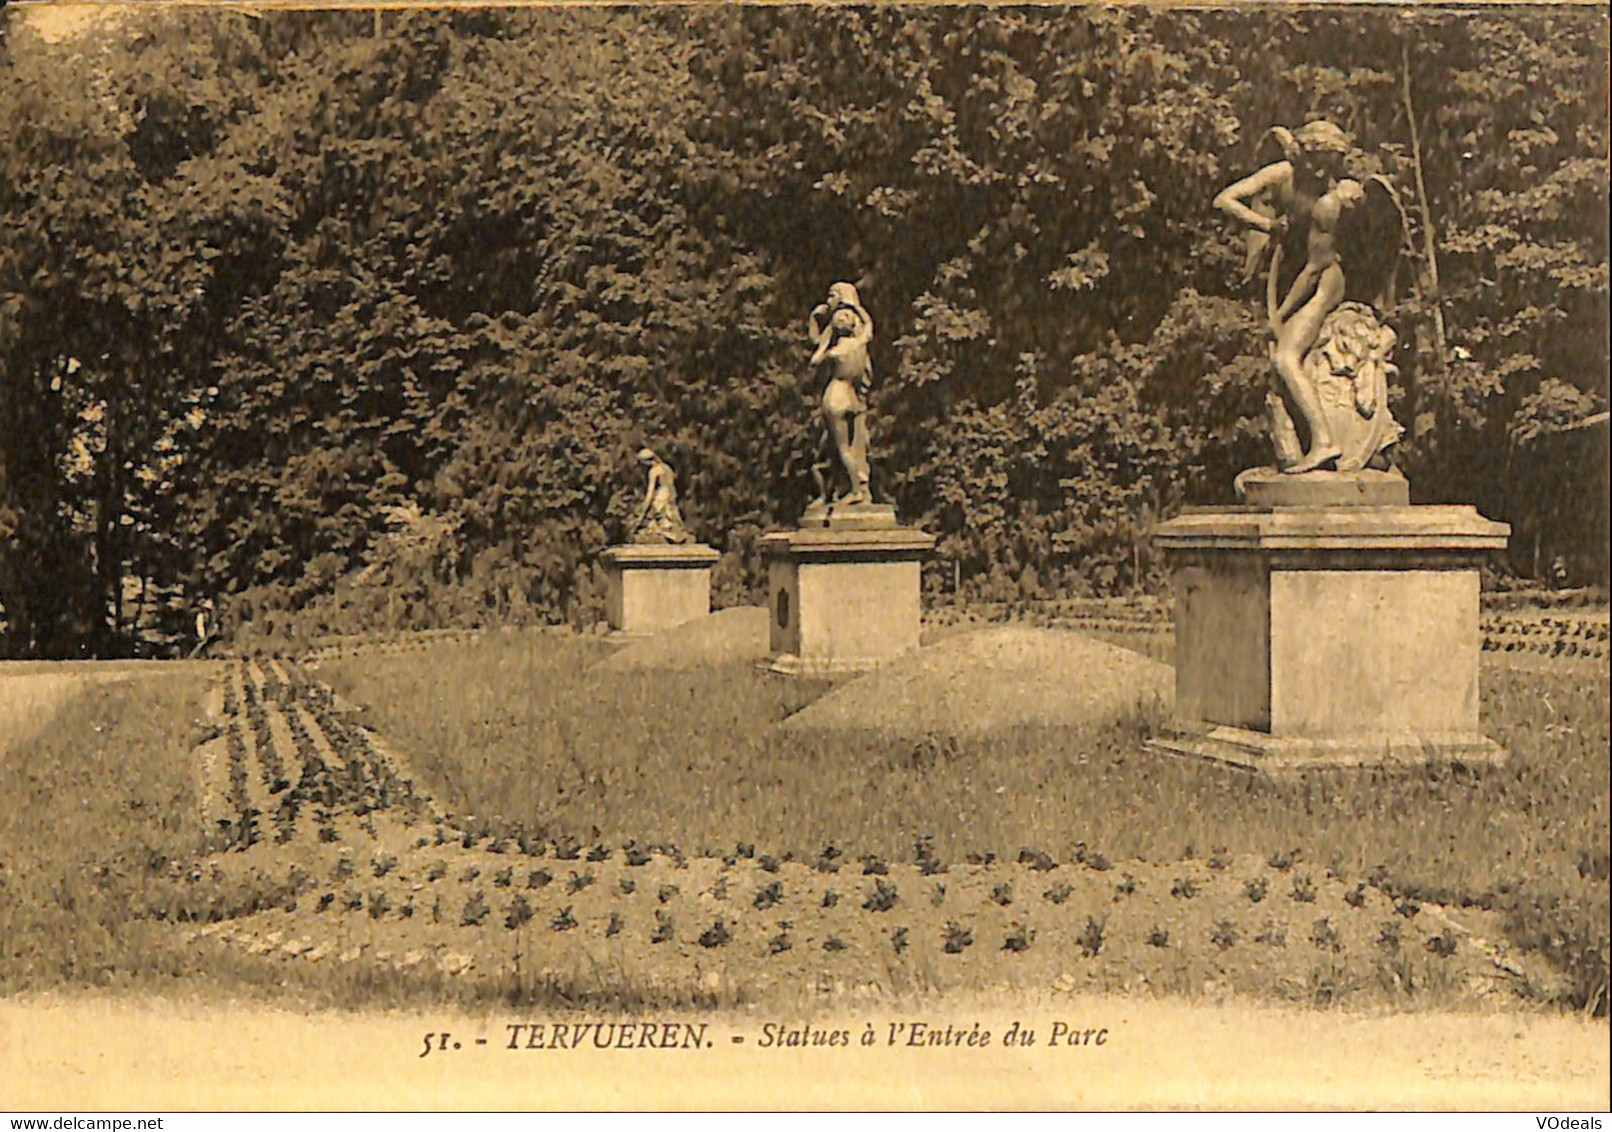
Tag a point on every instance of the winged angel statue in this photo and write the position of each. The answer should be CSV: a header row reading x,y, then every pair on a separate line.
x,y
1332,245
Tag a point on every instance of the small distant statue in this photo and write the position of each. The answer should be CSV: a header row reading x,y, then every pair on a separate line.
x,y
1331,355
204,626
658,522
843,330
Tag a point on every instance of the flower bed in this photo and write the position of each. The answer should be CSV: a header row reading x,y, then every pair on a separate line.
x,y
383,885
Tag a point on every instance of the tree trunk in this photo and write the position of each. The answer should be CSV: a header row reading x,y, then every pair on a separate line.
x,y
100,633
114,508
1428,286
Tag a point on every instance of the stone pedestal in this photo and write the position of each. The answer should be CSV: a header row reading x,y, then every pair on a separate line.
x,y
1339,635
649,588
844,595
1267,488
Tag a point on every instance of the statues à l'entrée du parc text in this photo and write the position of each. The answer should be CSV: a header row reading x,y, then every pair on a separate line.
x,y
1331,352
658,522
843,331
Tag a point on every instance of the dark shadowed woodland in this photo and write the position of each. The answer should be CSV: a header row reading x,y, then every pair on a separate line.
x,y
335,321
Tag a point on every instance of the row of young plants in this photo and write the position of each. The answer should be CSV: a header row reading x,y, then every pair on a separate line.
x,y
357,776
882,891
1548,636
480,903
882,897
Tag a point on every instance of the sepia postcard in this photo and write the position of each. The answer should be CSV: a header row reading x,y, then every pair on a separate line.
x,y
810,557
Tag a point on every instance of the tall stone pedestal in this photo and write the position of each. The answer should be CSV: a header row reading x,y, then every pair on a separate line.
x,y
1328,635
844,595
649,588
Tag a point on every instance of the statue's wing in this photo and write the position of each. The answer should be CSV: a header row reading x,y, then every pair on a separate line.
x,y
1371,240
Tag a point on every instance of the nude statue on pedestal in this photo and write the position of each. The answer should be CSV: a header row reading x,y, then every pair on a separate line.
x,y
843,330
1302,206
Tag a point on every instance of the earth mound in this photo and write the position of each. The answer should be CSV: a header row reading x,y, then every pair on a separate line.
x,y
726,635
993,679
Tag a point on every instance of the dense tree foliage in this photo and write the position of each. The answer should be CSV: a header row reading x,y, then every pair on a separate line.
x,y
365,316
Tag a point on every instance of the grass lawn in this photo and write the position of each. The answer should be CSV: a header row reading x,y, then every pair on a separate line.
x,y
102,834
102,837
515,732
99,802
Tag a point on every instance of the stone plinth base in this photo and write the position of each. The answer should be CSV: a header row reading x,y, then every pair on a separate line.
x,y
650,588
1255,750
1328,636
853,517
842,600
1270,488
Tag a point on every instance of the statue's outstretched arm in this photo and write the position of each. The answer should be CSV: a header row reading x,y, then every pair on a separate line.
x,y
1257,243
1233,199
820,318
643,509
